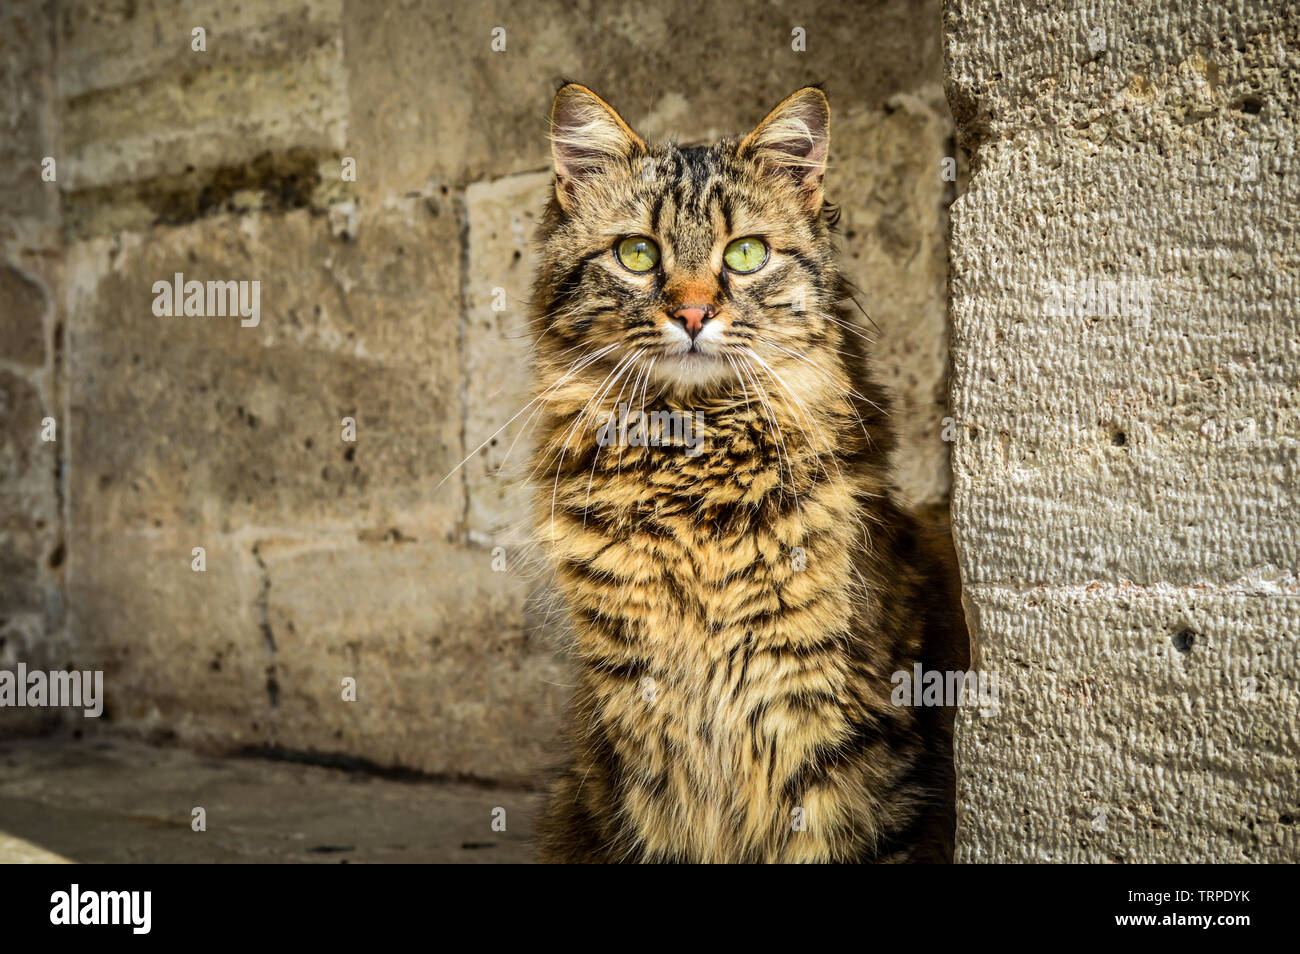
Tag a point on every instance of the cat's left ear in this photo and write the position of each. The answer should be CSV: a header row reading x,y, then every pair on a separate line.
x,y
794,140
586,135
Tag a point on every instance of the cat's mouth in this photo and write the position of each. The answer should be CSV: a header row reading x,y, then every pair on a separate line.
x,y
695,356
693,367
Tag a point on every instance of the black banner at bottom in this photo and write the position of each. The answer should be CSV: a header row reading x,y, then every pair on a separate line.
x,y
215,903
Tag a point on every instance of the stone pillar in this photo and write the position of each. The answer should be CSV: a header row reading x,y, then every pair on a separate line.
x,y
1126,365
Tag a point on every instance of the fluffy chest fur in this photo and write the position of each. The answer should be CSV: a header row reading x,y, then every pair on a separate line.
x,y
718,604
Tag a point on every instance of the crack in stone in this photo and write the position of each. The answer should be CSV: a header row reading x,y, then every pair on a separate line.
x,y
462,345
268,634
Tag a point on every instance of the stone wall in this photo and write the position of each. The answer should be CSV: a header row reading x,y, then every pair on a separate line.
x,y
327,558
1125,383
33,548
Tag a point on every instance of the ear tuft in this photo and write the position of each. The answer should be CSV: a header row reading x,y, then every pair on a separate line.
x,y
586,136
794,140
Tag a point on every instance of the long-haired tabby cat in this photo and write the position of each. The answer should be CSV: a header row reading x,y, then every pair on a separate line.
x,y
711,489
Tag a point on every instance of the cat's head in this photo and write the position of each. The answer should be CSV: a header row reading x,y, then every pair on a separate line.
x,y
698,263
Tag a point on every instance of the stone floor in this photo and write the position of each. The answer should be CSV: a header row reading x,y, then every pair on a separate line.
x,y
113,801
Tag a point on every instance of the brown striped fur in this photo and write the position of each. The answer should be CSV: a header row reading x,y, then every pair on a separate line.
x,y
724,686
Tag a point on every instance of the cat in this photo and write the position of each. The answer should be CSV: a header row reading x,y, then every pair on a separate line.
x,y
740,588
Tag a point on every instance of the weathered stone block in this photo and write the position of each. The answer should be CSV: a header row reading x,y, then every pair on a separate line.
x,y
157,131
23,308
1123,385
183,653
27,637
886,175
27,474
27,116
502,218
1114,75
1135,724
201,421
447,678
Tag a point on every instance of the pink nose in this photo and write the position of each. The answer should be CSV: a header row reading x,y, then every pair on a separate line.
x,y
693,317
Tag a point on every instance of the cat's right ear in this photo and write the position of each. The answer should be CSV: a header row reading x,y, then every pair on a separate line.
x,y
586,135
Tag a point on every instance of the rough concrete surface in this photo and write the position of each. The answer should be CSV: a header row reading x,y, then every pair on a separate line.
x,y
121,803
1125,376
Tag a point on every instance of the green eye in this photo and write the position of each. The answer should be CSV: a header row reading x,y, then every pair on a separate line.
x,y
745,255
638,253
